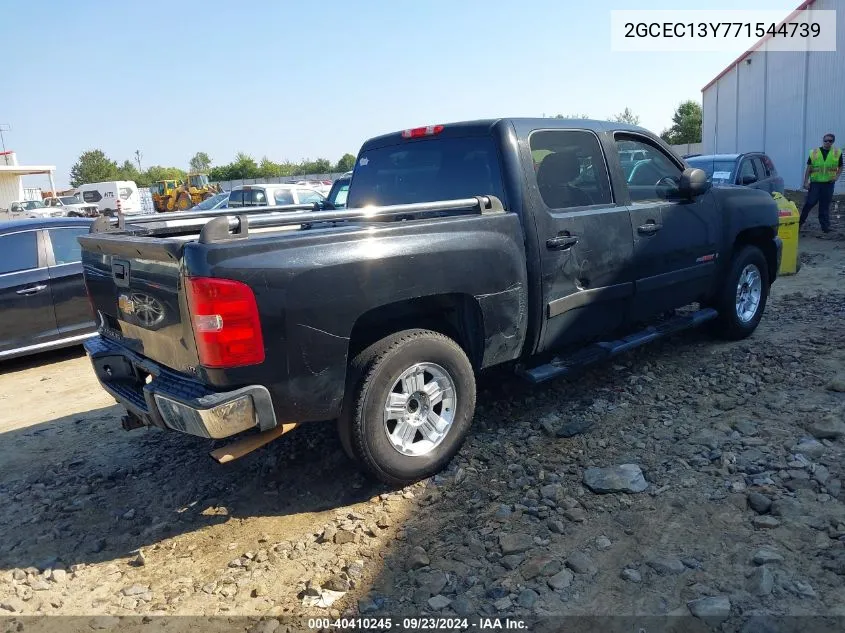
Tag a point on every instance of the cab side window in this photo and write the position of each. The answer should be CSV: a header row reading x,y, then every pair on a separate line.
x,y
18,252
570,169
747,175
66,248
649,172
236,198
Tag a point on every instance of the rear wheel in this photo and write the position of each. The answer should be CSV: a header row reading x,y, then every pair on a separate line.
x,y
410,405
743,297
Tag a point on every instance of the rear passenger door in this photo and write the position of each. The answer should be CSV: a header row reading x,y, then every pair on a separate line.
x,y
674,240
585,239
27,317
74,315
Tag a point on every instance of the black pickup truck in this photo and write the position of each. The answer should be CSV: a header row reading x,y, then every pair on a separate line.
x,y
534,244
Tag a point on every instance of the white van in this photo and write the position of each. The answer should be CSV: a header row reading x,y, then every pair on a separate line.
x,y
113,196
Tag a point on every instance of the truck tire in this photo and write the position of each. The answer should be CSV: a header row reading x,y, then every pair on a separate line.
x,y
743,297
410,402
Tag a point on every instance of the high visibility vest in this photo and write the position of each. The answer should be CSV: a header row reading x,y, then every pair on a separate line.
x,y
824,169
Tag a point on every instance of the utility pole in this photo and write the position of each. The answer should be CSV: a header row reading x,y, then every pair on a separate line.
x,y
138,156
4,127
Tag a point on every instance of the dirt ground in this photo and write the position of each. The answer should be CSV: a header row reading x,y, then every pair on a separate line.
x,y
743,514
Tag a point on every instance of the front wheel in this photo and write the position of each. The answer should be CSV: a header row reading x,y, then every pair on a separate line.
x,y
743,297
412,400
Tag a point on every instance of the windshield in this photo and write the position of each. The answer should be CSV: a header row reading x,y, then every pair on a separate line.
x,y
205,205
716,170
69,200
34,204
199,181
426,171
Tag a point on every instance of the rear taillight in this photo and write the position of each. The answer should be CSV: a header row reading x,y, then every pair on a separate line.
x,y
225,320
422,131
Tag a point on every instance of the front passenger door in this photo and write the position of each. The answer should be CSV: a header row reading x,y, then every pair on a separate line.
x,y
674,240
747,175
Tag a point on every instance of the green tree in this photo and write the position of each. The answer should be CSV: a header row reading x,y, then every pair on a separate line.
x,y
686,125
128,171
157,172
572,116
200,162
346,163
269,169
93,166
244,166
319,166
626,116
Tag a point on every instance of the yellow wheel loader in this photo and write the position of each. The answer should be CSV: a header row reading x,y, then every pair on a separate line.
x,y
173,195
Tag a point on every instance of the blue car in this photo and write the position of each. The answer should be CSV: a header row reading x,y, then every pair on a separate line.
x,y
750,169
219,201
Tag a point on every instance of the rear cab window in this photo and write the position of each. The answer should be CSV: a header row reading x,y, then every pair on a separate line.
x,y
236,198
426,170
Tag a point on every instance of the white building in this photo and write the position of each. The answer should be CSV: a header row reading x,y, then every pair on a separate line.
x,y
11,178
781,103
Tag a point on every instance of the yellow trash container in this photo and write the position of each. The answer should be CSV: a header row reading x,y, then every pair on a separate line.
x,y
788,231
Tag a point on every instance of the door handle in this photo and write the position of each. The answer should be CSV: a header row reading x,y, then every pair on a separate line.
x,y
649,229
31,290
561,242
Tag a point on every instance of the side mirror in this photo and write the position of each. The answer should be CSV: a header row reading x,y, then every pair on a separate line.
x,y
748,180
693,182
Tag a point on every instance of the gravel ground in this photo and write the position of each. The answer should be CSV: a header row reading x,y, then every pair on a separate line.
x,y
689,477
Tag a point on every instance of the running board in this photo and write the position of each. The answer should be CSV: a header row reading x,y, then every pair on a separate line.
x,y
596,352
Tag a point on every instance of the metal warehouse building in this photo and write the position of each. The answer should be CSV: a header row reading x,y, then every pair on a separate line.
x,y
781,103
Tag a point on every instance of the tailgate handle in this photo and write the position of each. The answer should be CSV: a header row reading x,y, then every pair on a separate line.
x,y
120,272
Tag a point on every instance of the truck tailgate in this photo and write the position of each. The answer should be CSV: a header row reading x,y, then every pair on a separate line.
x,y
136,285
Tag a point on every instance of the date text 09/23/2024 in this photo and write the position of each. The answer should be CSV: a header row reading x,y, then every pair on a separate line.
x,y
416,624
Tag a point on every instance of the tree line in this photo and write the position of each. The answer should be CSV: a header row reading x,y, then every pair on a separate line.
x,y
685,128
94,166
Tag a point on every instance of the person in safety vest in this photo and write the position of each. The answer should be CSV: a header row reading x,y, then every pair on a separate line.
x,y
824,165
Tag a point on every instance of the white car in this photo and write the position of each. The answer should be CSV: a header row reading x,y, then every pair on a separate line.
x,y
270,194
33,209
323,186
73,206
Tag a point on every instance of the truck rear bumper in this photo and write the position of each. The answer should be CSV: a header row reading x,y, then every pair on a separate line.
x,y
161,397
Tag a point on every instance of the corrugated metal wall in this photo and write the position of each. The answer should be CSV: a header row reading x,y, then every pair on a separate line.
x,y
11,189
752,102
785,115
708,120
726,114
783,104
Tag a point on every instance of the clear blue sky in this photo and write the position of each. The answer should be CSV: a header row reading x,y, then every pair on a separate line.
x,y
292,80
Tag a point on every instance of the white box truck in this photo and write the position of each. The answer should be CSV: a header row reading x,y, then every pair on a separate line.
x,y
113,196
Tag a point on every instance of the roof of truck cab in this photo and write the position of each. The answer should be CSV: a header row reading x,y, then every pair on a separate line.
x,y
482,127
